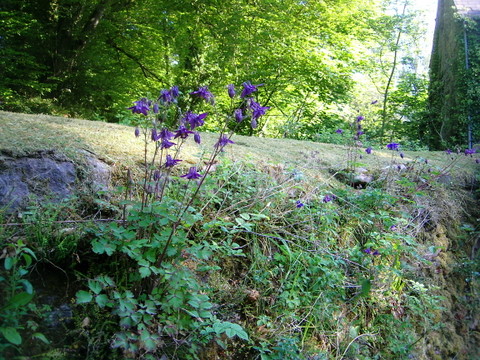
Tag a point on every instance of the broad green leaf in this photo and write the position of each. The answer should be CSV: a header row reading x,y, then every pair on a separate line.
x,y
12,335
8,264
95,286
83,297
102,300
41,337
145,272
20,299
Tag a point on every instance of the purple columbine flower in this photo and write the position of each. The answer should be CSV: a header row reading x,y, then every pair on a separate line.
x,y
248,89
299,204
137,132
166,144
155,135
368,150
182,132
170,162
194,120
165,134
339,131
393,146
360,118
257,109
174,92
231,91
165,96
371,252
204,93
360,133
328,198
197,138
469,151
223,141
141,106
192,174
238,113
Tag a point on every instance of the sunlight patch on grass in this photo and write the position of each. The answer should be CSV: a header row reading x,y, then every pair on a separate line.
x,y
116,144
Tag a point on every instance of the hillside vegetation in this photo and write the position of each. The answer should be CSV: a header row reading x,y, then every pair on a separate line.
x,y
278,249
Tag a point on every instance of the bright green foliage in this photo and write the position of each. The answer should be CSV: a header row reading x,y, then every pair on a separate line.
x,y
16,296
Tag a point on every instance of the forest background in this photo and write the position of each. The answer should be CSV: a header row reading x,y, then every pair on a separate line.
x,y
322,63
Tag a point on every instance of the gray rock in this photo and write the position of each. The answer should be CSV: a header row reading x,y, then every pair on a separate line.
x,y
44,175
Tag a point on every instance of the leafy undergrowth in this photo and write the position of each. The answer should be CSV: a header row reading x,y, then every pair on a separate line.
x,y
272,258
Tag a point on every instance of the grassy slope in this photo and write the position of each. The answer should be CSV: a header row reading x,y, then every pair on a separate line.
x,y
116,144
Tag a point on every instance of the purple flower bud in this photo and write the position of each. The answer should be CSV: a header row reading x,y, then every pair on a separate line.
x,y
426,161
477,161
402,155
339,131
156,175
174,92
137,132
360,118
238,115
231,90
155,136
253,123
299,204
360,133
368,150
196,137
374,102
367,251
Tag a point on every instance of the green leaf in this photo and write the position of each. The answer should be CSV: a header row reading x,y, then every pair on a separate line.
x,y
20,299
41,337
8,264
27,286
102,300
230,329
12,335
366,286
83,297
145,272
95,286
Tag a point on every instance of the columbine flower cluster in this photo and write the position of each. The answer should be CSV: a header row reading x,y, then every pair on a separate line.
x,y
188,123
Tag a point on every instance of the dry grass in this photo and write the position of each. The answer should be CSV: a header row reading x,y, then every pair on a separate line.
x,y
116,144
